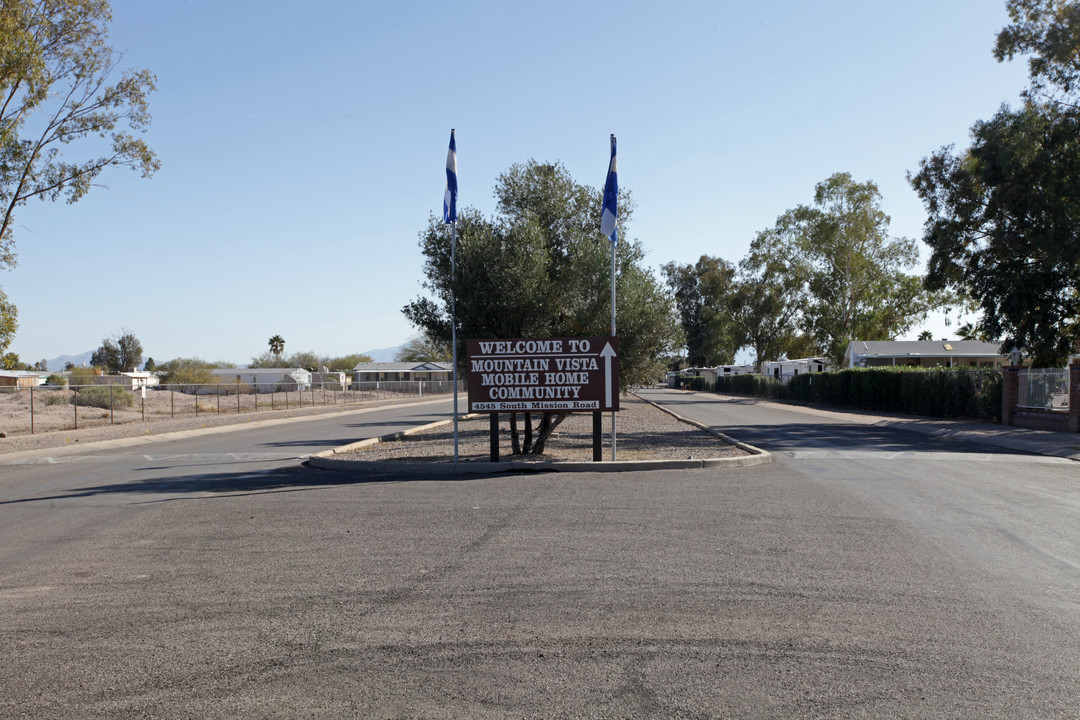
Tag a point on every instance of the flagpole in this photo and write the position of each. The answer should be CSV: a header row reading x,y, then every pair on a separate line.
x,y
609,226
453,326
450,218
613,434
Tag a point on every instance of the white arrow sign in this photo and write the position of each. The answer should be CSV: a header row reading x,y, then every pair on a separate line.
x,y
607,353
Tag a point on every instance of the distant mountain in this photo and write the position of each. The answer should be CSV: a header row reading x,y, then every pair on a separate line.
x,y
383,354
57,364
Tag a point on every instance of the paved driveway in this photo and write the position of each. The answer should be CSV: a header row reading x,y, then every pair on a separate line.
x,y
825,587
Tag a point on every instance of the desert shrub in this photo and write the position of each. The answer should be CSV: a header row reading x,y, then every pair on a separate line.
x,y
58,398
55,379
99,396
82,376
186,374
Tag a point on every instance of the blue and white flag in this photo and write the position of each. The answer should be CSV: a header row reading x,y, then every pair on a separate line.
x,y
609,220
449,203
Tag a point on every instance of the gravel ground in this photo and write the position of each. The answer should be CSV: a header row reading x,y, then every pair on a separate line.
x,y
643,432
132,426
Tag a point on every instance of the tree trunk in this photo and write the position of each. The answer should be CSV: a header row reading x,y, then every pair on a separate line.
x,y
515,441
547,425
527,446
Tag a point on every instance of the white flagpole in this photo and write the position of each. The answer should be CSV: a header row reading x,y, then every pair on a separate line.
x,y
613,434
453,326
609,226
450,218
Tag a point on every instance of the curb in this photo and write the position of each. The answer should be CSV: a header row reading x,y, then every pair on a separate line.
x,y
756,451
77,448
325,460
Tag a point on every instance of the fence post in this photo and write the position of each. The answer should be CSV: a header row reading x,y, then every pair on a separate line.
x,y
110,404
1074,396
172,402
1010,392
31,411
75,404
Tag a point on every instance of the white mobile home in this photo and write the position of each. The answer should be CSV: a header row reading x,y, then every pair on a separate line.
x,y
263,380
925,353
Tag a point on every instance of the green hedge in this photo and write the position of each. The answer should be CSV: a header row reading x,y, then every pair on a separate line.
x,y
937,392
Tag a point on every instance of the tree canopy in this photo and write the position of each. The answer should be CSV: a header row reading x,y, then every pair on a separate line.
x,y
122,354
838,253
421,348
277,346
1048,31
59,86
1004,215
9,322
769,299
1004,222
706,295
540,268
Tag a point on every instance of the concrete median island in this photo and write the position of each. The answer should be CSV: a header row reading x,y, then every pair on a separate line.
x,y
648,437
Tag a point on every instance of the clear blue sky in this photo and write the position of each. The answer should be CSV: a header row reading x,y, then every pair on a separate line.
x,y
303,147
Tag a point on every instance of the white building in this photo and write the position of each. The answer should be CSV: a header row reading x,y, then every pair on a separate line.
x,y
925,353
367,372
263,380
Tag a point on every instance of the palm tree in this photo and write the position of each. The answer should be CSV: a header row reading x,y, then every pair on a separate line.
x,y
926,335
277,346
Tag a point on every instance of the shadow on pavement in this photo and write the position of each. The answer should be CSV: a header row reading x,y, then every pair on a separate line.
x,y
286,479
846,436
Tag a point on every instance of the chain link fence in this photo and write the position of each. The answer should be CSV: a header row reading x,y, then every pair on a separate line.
x,y
56,408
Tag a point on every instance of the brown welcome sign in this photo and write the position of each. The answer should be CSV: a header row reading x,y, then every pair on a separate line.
x,y
544,375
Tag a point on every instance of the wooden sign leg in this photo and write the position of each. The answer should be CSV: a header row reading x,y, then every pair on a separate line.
x,y
494,426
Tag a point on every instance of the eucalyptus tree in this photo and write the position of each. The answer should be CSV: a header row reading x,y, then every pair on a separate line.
x,y
770,296
706,296
1048,32
1003,226
855,275
1004,215
61,92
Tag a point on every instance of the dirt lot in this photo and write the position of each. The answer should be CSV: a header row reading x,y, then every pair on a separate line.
x,y
56,421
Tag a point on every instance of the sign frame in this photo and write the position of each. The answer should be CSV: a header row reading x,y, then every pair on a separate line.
x,y
547,375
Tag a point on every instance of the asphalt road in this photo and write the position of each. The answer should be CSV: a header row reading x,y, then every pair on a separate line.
x,y
859,575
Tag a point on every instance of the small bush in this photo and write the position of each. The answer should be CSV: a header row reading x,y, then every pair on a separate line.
x,y
57,398
101,397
